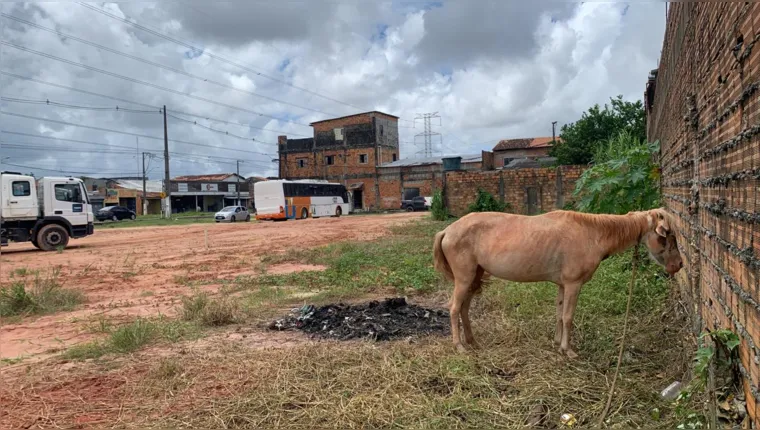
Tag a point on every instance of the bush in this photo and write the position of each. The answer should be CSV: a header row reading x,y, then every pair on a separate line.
x,y
209,312
624,178
485,202
438,210
40,295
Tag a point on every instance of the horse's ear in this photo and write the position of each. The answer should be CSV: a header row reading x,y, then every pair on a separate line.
x,y
662,227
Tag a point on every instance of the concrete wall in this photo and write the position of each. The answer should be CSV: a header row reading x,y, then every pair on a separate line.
x,y
554,187
703,107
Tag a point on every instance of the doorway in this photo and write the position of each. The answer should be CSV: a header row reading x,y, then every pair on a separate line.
x,y
532,203
358,199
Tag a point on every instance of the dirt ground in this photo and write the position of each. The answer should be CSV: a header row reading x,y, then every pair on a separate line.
x,y
143,271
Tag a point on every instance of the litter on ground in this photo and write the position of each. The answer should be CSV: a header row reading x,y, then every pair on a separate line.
x,y
389,319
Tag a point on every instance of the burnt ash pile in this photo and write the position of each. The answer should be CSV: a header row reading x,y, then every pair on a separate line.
x,y
385,320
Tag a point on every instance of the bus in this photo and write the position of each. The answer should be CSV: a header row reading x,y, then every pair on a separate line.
x,y
298,199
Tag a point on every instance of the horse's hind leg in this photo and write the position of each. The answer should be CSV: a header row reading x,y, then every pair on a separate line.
x,y
460,296
560,307
474,289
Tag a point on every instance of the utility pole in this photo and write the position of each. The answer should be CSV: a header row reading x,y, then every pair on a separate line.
x,y
167,180
237,187
554,124
145,191
428,133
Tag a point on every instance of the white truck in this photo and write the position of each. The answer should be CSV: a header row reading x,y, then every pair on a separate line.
x,y
46,211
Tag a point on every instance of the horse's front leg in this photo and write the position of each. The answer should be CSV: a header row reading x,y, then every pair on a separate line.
x,y
560,301
570,301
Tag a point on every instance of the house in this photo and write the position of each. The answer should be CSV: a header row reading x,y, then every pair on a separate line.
x,y
348,150
508,150
127,192
208,193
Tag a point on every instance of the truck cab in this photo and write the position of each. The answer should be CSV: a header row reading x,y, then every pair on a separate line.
x,y
46,211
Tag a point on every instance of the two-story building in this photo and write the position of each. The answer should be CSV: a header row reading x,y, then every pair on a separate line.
x,y
348,150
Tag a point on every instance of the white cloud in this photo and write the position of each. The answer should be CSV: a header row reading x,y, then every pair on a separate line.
x,y
505,69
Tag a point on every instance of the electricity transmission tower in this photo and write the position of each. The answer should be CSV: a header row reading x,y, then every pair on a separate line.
x,y
428,133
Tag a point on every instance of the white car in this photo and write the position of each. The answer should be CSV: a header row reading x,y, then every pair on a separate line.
x,y
232,214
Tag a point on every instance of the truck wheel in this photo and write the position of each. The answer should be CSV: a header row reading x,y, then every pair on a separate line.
x,y
304,213
410,208
51,237
36,245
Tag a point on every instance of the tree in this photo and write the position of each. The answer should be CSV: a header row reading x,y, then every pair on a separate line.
x,y
581,139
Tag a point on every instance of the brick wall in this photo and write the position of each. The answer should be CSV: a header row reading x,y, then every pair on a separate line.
x,y
553,187
703,107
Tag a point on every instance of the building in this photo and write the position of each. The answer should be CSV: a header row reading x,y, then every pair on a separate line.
x,y
208,193
408,178
702,104
508,150
126,192
348,150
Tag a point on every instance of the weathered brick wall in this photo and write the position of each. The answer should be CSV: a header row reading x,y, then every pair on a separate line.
x,y
554,187
703,108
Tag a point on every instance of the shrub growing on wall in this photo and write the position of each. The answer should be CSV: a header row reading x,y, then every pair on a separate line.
x,y
486,202
437,209
624,178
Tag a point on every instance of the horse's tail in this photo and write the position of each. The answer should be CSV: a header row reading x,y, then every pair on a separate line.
x,y
439,259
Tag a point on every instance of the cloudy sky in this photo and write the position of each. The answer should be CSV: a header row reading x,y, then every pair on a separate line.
x,y
235,75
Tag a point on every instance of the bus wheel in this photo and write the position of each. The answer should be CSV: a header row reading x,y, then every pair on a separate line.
x,y
338,211
304,213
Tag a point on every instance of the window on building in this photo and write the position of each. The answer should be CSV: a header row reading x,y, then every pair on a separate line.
x,y
381,129
329,160
362,158
338,133
507,161
21,189
94,187
394,157
301,162
68,193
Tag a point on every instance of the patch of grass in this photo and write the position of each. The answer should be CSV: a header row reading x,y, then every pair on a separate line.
x,y
156,221
210,312
133,336
402,260
39,295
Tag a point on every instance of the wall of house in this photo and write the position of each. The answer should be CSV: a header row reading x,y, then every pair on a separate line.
x,y
703,107
554,187
499,156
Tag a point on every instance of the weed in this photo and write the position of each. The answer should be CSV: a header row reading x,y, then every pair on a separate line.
x,y
21,272
486,202
40,295
438,210
167,368
209,312
132,336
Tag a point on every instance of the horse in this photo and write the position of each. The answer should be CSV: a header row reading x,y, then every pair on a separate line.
x,y
562,247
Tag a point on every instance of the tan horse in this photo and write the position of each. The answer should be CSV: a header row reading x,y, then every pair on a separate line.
x,y
562,247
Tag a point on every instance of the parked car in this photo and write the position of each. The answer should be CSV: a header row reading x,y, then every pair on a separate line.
x,y
115,213
232,214
418,203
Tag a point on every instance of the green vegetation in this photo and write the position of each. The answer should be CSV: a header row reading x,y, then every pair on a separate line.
x,y
486,202
36,295
156,220
581,139
624,177
133,336
438,210
210,312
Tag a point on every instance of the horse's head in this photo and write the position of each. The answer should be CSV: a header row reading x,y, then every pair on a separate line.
x,y
661,241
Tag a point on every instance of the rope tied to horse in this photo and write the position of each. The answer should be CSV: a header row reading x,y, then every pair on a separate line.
x,y
634,264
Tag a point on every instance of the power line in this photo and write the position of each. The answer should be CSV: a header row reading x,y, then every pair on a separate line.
x,y
51,103
226,133
162,66
91,93
209,53
129,133
66,171
137,81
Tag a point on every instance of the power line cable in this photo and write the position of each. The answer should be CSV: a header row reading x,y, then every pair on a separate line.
x,y
66,171
58,104
210,54
129,133
92,93
149,84
159,65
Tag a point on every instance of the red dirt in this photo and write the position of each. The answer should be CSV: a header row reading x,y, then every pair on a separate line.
x,y
143,271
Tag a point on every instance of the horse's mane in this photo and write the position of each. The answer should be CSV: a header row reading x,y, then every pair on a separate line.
x,y
618,229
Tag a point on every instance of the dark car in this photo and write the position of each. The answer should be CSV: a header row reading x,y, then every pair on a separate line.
x,y
115,213
415,204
